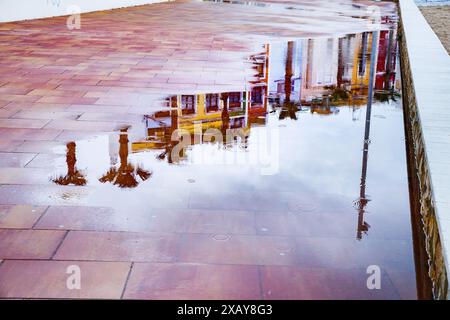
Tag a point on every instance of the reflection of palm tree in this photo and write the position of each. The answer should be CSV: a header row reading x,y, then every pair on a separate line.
x,y
340,70
125,176
168,142
289,110
288,71
225,118
73,176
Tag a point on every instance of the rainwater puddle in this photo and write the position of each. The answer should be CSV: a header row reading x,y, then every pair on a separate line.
x,y
275,174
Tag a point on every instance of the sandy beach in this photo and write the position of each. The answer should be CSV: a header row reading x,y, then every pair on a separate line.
x,y
439,19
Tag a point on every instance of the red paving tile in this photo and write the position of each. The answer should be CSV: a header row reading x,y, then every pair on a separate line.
x,y
42,146
9,145
23,123
317,224
33,176
66,99
291,283
19,216
148,220
329,252
51,115
29,134
43,195
82,218
6,113
237,249
218,221
118,246
29,244
36,106
99,126
48,279
192,281
405,283
13,159
71,135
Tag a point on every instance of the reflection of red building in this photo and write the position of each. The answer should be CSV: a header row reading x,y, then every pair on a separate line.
x,y
387,48
259,88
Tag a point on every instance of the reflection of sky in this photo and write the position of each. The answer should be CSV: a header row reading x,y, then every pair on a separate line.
x,y
319,158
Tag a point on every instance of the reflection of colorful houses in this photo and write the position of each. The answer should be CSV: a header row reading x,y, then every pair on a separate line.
x,y
319,68
197,113
335,68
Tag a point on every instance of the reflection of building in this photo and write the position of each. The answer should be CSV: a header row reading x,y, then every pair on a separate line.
x,y
319,73
319,67
196,113
332,71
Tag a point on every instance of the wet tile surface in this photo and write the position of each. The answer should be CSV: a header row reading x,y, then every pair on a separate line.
x,y
268,200
20,216
192,281
48,279
29,244
290,283
117,246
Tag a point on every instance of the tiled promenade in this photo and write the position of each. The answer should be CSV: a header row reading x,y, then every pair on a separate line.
x,y
58,85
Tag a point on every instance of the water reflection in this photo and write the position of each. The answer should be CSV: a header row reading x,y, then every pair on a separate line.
x,y
126,175
73,176
320,76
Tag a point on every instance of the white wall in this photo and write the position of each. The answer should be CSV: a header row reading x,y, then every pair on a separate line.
x,y
14,10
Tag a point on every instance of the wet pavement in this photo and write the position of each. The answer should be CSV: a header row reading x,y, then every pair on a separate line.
x,y
221,155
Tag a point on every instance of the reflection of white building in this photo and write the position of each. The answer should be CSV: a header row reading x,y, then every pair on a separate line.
x,y
313,65
320,65
316,70
280,55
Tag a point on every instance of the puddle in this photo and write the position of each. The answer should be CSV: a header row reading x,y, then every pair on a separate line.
x,y
299,87
277,168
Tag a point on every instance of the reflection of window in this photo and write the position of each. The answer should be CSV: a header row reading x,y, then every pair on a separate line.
x,y
188,104
211,102
257,95
236,123
234,100
362,57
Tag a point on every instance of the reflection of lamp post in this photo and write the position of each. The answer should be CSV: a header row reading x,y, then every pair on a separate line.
x,y
73,176
125,176
340,70
362,201
288,108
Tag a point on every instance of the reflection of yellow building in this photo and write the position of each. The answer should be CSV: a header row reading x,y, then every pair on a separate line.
x,y
195,114
361,64
333,66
